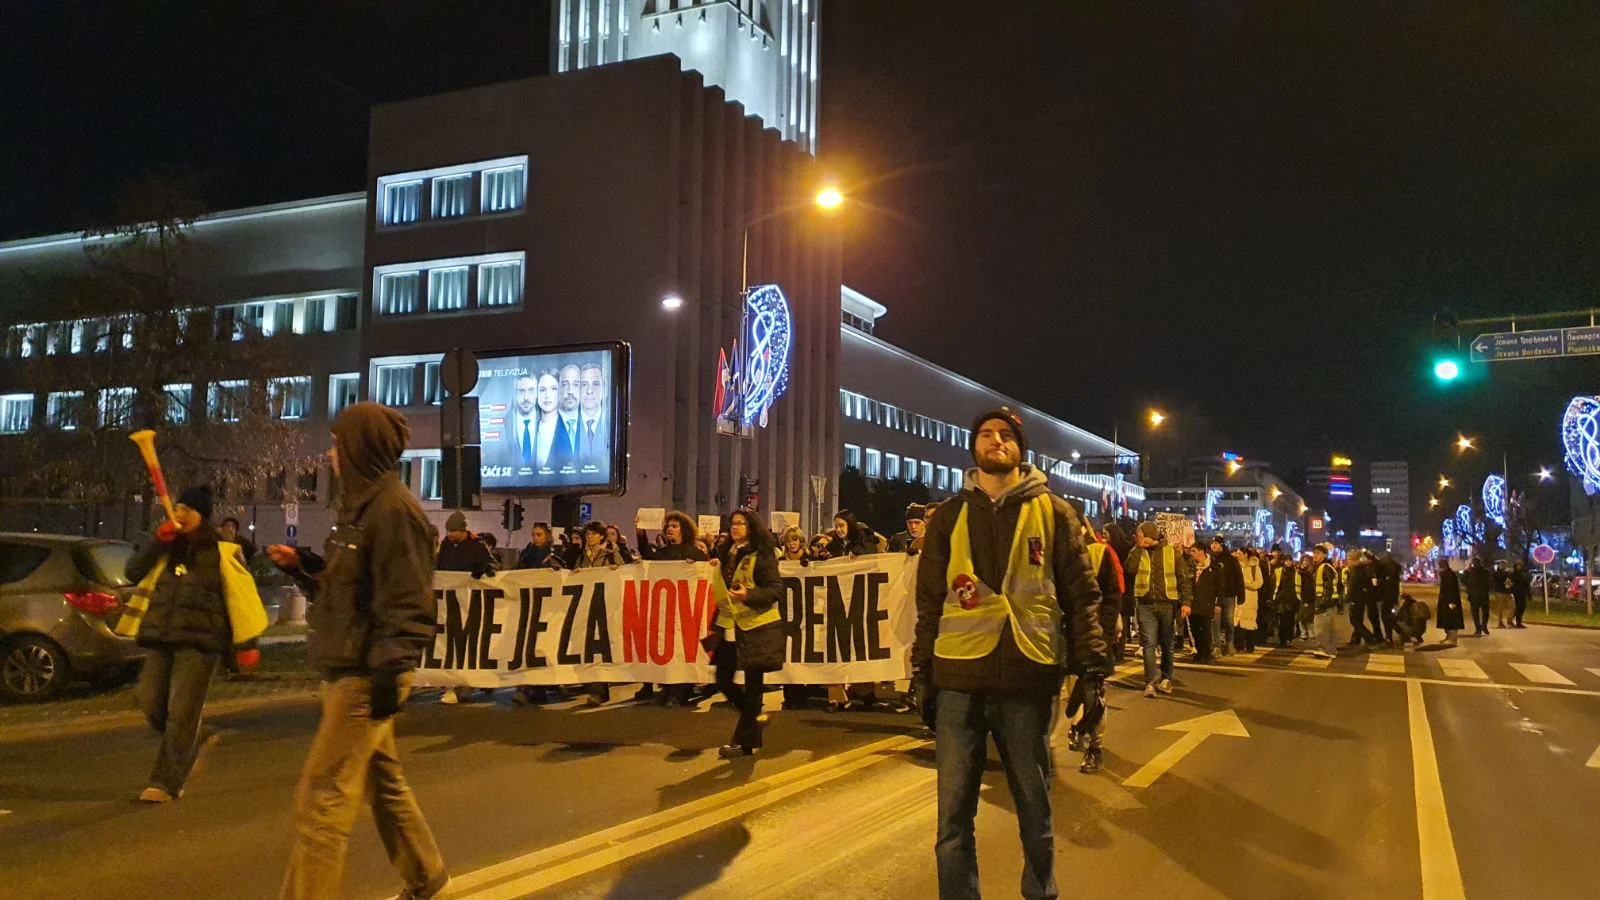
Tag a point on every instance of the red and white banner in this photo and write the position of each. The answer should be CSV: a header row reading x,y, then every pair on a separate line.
x,y
848,621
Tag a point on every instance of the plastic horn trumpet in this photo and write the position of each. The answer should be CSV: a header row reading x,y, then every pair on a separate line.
x,y
146,440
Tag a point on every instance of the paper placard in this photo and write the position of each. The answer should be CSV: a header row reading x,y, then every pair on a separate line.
x,y
708,526
783,521
652,518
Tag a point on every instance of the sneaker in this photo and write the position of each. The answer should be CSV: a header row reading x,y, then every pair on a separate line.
x,y
589,701
449,697
1074,741
153,794
1321,654
1149,690
1091,760
1164,686
435,888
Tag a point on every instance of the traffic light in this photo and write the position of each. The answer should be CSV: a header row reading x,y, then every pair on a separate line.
x,y
516,519
505,515
1447,356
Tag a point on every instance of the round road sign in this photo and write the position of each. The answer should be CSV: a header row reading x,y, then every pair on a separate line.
x,y
1544,554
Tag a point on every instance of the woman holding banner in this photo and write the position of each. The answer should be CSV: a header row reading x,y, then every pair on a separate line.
x,y
750,635
678,544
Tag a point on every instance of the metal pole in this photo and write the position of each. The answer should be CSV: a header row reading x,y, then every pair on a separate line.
x,y
1546,570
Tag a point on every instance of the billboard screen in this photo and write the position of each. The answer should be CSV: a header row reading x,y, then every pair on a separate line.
x,y
554,420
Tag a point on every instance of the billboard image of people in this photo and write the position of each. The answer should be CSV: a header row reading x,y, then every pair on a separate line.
x,y
554,420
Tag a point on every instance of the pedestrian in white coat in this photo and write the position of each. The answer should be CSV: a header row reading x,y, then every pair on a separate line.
x,y
1249,604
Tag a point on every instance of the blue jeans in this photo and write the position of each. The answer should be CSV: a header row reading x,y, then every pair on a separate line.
x,y
1020,725
1155,624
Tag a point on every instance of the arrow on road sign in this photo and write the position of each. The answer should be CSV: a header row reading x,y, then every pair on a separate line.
x,y
1195,732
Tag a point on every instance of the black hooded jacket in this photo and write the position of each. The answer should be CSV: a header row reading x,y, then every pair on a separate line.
x,y
187,608
373,605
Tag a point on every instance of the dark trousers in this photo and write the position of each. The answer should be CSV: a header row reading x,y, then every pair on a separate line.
x,y
1480,617
1522,607
1358,627
1286,627
1200,628
172,691
747,698
1384,616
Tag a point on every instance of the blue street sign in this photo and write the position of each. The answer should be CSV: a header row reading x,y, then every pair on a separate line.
x,y
292,530
1583,340
585,512
1508,345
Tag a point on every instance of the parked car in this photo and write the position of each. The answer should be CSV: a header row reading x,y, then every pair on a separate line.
x,y
60,596
1575,588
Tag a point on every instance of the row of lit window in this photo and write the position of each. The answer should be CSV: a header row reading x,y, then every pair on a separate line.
x,y
287,398
878,464
605,9
295,315
866,409
449,285
501,187
1154,494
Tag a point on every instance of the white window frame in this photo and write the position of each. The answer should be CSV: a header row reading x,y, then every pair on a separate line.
x,y
115,409
411,386
425,204
335,381
424,270
874,463
177,403
216,411
12,408
277,396
58,401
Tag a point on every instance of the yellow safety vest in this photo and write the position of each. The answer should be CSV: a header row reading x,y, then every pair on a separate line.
x,y
974,615
730,612
247,618
1326,589
1169,574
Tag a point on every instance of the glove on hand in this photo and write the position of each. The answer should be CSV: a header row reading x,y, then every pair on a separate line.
x,y
385,694
167,532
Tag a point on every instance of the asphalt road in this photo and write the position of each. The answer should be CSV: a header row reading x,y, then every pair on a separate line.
x,y
1440,773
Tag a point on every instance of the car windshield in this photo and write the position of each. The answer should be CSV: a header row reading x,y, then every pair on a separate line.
x,y
105,563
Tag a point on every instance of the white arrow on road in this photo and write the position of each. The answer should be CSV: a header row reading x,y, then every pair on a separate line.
x,y
1594,761
1195,732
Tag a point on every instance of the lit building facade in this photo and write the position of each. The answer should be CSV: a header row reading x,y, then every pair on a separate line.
x,y
1251,507
1391,499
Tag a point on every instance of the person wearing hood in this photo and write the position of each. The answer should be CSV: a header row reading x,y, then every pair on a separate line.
x,y
1003,567
373,617
186,629
1230,589
1247,609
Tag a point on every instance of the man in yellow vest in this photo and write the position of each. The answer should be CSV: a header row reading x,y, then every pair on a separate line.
x,y
1326,589
1004,567
1162,582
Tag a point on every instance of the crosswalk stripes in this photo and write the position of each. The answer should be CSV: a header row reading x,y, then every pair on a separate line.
x,y
1386,664
1309,661
1251,656
1463,668
1594,672
1541,674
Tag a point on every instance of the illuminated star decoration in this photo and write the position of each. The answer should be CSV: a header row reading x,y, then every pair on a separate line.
x,y
766,368
1494,499
1580,435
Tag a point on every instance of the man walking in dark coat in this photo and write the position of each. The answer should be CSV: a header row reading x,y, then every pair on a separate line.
x,y
1479,583
373,617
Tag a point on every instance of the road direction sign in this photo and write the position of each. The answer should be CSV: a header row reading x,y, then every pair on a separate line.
x,y
1508,345
1542,343
1195,731
1544,554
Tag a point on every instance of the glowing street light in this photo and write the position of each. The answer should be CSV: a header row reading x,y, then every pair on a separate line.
x,y
1443,482
1274,493
1234,467
1156,418
1464,443
1304,509
1432,502
671,302
1545,474
830,198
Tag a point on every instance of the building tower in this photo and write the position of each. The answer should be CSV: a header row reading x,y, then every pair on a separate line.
x,y
762,53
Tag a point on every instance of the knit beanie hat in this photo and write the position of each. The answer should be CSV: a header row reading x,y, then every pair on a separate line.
x,y
197,498
1150,530
456,522
1004,414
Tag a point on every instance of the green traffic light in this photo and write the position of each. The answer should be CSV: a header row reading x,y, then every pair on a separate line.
x,y
1446,370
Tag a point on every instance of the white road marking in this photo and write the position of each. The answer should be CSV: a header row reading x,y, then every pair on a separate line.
x,y
1593,763
1593,671
1463,668
1307,661
1362,676
1195,731
1386,664
1540,674
541,869
1252,656
1441,872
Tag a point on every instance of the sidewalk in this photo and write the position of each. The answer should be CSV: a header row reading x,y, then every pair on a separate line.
x,y
282,676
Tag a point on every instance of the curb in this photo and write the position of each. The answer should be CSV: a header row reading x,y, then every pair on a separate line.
x,y
1564,625
94,722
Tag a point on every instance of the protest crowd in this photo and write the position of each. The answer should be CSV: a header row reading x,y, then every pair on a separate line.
x,y
1022,610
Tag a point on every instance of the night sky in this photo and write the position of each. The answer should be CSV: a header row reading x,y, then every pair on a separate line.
x,y
1244,213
